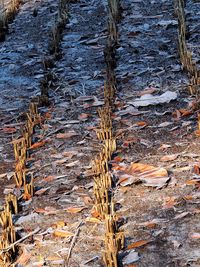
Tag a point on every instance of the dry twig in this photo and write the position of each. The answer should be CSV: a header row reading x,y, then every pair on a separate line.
x,y
19,241
72,243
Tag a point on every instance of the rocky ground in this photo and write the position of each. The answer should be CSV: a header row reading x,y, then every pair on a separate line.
x,y
154,122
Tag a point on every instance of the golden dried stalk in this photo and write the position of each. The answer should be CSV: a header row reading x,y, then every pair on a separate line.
x,y
109,90
8,238
104,204
27,138
100,165
109,147
11,206
114,242
30,123
33,109
6,217
20,177
104,134
114,7
19,147
20,165
28,188
105,116
185,54
103,181
112,30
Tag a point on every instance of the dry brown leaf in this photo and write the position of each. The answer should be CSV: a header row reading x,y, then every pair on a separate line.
x,y
181,215
53,258
138,244
26,196
41,191
197,132
130,141
83,116
60,224
46,210
141,123
164,147
125,180
188,197
70,154
87,200
169,157
85,98
150,175
47,115
151,224
176,115
57,155
3,175
196,211
185,112
91,128
39,263
118,158
8,130
49,178
62,233
193,182
181,113
170,202
195,235
38,144
72,164
120,167
124,189
24,257
95,213
92,220
60,161
124,121
40,210
196,169
150,90
147,170
75,209
66,135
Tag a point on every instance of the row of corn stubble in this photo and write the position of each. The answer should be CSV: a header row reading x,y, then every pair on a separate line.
x,y
103,183
7,15
54,50
22,146
24,181
185,54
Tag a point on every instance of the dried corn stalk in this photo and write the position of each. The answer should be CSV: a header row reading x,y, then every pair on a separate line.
x,y
185,55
